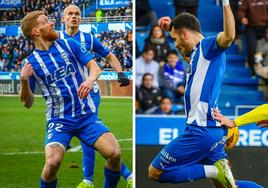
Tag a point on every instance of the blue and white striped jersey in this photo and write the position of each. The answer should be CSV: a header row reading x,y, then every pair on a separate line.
x,y
92,44
59,73
203,82
89,41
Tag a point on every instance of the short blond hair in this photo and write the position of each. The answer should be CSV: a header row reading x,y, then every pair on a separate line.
x,y
28,22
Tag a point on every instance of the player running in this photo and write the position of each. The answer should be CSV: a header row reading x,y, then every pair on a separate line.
x,y
258,115
199,151
72,19
56,66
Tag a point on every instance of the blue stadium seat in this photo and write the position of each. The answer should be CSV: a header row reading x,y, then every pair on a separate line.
x,y
140,37
236,72
241,81
163,7
211,18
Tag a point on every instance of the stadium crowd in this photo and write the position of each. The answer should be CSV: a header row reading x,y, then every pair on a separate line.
x,y
14,49
53,9
160,76
154,63
120,44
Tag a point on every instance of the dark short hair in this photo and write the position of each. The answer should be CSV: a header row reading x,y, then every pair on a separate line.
x,y
147,48
165,97
147,74
186,20
172,52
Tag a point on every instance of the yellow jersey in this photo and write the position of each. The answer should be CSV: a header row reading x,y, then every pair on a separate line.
x,y
257,114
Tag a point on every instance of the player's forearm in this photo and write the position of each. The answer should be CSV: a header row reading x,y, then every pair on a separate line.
x,y
258,114
226,37
26,95
114,62
94,70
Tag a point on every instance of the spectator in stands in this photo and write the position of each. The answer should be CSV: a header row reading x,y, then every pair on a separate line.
x,y
147,95
165,107
1,64
186,6
144,14
172,77
158,42
120,43
254,15
261,57
146,64
99,15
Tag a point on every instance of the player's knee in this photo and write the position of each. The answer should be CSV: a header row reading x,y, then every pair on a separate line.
x,y
154,173
53,163
115,155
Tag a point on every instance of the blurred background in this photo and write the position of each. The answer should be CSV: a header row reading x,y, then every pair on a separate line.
x,y
160,80
22,132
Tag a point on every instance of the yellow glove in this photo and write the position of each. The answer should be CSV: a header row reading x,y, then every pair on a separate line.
x,y
232,138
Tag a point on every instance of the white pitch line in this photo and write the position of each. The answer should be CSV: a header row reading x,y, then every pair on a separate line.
x,y
72,149
75,149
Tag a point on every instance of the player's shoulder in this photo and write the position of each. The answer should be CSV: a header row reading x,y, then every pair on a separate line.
x,y
88,35
30,58
209,38
67,41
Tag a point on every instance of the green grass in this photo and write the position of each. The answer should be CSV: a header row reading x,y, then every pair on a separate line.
x,y
23,130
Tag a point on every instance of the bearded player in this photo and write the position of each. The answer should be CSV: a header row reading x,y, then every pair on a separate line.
x,y
198,152
56,66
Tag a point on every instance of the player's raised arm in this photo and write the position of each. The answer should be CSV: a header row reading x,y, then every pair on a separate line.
x,y
112,59
225,38
26,95
87,85
117,67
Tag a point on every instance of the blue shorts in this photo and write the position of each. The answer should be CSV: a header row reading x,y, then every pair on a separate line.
x,y
197,145
87,128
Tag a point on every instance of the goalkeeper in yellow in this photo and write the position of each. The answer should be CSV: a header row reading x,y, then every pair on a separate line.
x,y
258,115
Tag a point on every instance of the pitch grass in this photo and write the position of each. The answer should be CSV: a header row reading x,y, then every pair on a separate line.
x,y
23,130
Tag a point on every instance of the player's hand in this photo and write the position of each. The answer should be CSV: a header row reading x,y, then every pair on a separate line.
x,y
262,124
85,88
164,22
26,71
122,79
224,121
244,21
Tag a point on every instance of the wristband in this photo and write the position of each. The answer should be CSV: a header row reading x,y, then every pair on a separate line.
x,y
225,2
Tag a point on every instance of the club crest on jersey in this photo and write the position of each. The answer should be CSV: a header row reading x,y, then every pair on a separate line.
x,y
64,56
83,49
60,73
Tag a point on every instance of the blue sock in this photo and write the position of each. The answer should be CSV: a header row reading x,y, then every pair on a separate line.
x,y
44,184
185,174
88,162
125,172
111,178
247,184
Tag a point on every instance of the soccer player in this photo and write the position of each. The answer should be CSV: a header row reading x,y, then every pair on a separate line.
x,y
258,115
56,66
199,151
72,19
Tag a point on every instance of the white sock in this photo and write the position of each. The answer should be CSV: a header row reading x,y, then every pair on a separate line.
x,y
88,182
211,171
